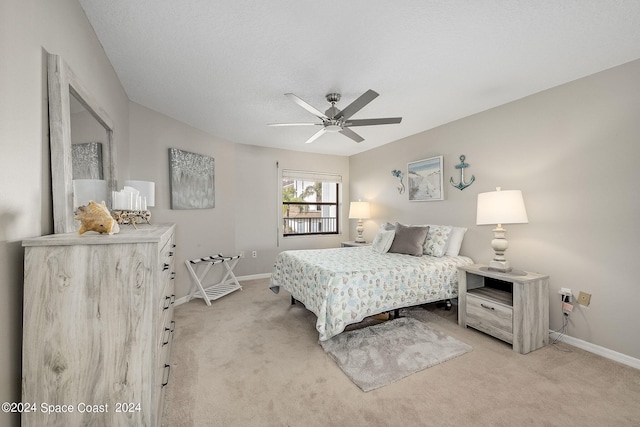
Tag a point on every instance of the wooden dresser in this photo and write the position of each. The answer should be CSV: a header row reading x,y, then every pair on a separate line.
x,y
98,325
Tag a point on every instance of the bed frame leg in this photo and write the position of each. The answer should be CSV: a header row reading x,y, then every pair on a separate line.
x,y
396,313
446,304
293,301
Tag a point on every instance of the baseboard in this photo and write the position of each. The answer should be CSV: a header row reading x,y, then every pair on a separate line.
x,y
254,277
185,298
182,300
596,349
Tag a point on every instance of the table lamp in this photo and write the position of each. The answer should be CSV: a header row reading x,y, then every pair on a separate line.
x,y
359,211
500,207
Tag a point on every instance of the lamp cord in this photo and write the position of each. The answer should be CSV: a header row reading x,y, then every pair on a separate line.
x,y
561,332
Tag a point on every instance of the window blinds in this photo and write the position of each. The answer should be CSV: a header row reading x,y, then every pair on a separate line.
x,y
310,176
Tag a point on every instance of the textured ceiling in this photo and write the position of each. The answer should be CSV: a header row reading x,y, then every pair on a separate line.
x,y
223,66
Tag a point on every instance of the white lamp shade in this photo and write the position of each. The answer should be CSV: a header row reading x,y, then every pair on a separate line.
x,y
501,207
86,190
147,189
359,210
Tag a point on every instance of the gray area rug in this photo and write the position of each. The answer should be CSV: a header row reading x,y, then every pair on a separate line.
x,y
378,355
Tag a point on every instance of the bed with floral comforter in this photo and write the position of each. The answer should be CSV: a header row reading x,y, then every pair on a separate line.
x,y
344,285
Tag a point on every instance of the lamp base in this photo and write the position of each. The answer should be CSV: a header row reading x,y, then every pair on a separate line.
x,y
499,245
359,230
500,266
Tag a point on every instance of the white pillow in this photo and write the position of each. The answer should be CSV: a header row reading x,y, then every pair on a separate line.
x,y
437,239
383,240
387,226
455,241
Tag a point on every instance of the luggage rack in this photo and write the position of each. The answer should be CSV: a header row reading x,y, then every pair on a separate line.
x,y
228,284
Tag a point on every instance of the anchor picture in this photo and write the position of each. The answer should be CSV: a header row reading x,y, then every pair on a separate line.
x,y
462,166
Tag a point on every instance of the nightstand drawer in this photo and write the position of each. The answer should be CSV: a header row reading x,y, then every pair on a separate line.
x,y
491,317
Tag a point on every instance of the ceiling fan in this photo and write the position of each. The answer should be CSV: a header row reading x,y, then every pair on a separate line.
x,y
336,120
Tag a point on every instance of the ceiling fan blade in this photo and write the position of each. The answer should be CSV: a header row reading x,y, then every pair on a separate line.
x,y
357,105
315,136
351,134
307,106
294,124
372,122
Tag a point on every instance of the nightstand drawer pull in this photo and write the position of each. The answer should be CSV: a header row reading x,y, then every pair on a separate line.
x,y
487,307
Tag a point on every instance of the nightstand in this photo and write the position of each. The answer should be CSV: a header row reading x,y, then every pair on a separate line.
x,y
513,307
354,244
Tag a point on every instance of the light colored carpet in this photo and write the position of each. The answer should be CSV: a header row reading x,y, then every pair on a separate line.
x,y
381,354
252,359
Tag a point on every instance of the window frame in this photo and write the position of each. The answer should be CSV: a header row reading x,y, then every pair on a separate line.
x,y
310,177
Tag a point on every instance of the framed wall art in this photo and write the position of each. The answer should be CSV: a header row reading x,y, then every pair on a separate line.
x,y
425,183
86,159
192,178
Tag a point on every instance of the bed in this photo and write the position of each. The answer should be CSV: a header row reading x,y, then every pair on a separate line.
x,y
342,286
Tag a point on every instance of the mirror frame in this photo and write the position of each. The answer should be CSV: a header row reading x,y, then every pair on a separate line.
x,y
62,83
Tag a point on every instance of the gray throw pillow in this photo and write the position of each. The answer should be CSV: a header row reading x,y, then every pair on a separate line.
x,y
409,240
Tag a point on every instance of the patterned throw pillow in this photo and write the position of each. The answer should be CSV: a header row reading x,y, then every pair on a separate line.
x,y
383,240
436,242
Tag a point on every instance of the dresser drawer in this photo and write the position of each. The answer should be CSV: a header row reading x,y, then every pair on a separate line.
x,y
490,316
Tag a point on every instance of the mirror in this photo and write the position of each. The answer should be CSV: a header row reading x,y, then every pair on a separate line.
x,y
72,110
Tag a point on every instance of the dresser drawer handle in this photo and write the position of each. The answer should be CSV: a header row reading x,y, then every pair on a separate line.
x,y
167,369
168,332
171,253
165,266
486,306
173,275
167,303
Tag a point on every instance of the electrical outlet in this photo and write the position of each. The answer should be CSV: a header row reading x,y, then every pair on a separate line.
x,y
254,254
566,294
584,298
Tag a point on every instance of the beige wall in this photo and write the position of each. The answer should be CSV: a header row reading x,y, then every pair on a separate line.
x,y
246,185
27,29
573,151
199,232
257,206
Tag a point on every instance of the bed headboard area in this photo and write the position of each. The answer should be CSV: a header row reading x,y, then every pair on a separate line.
x,y
417,240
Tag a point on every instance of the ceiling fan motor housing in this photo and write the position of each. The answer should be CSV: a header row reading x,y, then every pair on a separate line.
x,y
333,110
333,97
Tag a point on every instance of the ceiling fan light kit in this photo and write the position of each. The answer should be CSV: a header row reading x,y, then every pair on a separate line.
x,y
336,120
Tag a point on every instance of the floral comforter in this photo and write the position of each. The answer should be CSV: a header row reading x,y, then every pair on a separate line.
x,y
344,285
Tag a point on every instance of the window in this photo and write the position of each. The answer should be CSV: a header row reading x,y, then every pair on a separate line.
x,y
310,203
